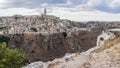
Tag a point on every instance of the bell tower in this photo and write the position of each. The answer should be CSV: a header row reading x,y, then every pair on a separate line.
x,y
45,11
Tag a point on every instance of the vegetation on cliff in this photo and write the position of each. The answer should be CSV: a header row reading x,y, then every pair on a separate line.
x,y
10,58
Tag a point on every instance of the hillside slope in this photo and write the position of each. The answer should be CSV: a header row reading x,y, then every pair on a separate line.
x,y
102,57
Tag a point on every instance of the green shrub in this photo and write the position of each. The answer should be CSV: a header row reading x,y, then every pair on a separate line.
x,y
10,58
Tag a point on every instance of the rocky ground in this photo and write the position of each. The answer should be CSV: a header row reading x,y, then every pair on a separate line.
x,y
104,56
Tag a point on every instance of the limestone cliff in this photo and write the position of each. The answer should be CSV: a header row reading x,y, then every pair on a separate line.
x,y
39,47
107,55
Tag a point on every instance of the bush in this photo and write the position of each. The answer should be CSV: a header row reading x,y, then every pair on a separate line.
x,y
10,58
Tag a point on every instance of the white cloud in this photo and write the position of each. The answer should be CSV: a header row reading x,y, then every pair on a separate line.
x,y
22,11
44,5
69,2
111,6
92,3
3,1
82,12
114,3
6,1
65,13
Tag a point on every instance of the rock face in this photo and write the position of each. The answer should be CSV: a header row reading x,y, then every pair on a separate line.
x,y
103,37
40,47
101,57
44,38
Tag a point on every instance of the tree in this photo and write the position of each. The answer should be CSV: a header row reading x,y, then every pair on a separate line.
x,y
10,58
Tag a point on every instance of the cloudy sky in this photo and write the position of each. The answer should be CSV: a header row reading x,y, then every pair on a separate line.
x,y
77,10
